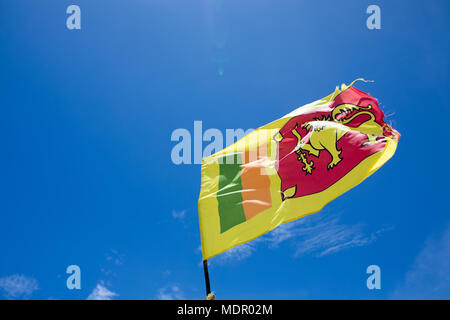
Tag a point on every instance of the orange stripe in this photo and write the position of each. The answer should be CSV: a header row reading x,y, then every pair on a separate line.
x,y
255,187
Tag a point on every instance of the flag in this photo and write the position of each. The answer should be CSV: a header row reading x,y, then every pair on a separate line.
x,y
291,167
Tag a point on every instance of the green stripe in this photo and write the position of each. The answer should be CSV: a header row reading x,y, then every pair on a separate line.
x,y
229,195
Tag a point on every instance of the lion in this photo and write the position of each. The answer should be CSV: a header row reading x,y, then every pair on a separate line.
x,y
324,134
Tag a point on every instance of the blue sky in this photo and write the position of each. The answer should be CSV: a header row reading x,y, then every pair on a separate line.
x,y
86,176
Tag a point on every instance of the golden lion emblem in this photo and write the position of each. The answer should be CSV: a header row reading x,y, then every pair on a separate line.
x,y
324,134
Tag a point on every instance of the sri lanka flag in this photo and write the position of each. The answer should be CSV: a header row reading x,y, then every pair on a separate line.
x,y
291,167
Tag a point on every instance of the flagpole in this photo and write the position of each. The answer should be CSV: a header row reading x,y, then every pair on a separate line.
x,y
205,269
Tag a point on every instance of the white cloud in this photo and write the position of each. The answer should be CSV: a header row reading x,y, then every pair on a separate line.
x,y
170,293
320,235
178,214
237,253
115,257
429,276
18,286
100,292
